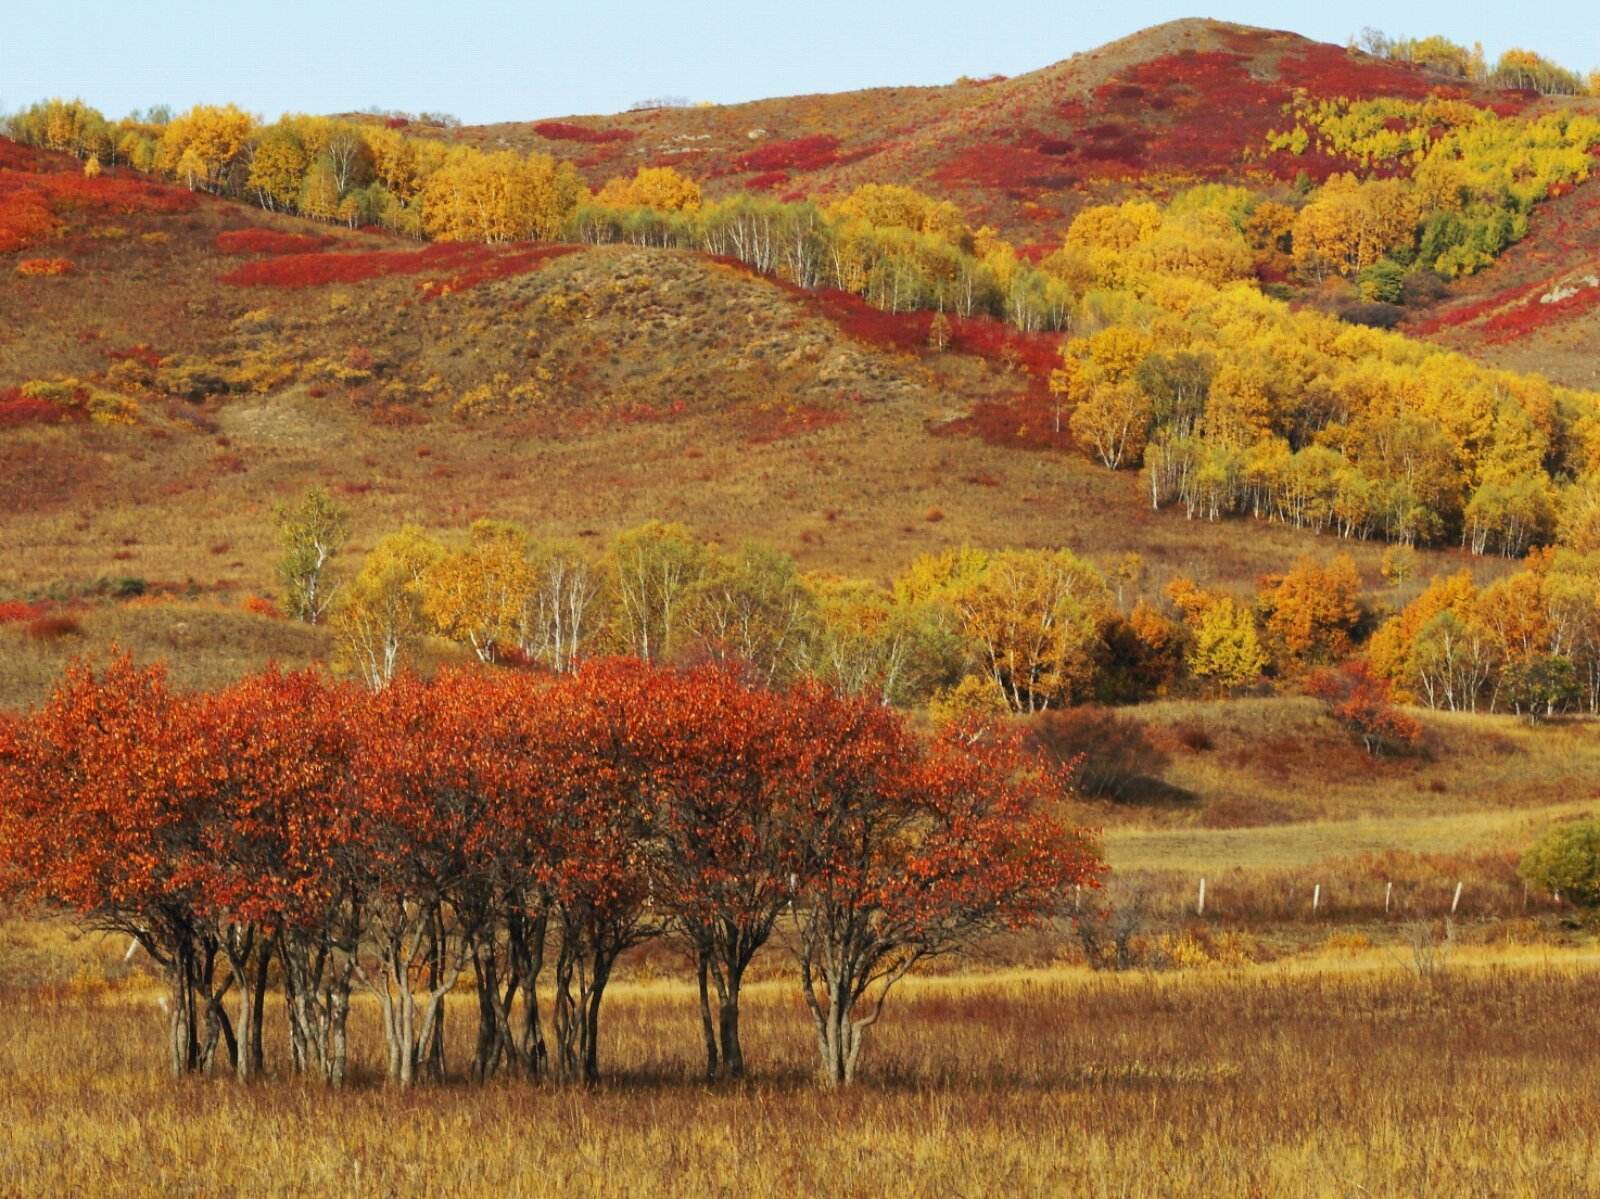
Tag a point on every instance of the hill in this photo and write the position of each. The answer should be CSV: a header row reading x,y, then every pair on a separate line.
x,y
1190,100
1538,306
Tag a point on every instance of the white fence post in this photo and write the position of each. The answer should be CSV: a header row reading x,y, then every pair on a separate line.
x,y
1456,902
1316,898
1388,890
1200,904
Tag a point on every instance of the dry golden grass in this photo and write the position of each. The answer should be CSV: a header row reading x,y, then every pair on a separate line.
x,y
1337,1076
1281,760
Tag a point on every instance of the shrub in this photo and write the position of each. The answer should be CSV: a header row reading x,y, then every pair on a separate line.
x,y
258,605
17,410
561,131
126,587
1195,738
1361,702
54,628
43,268
1376,315
1112,750
800,154
1566,859
19,611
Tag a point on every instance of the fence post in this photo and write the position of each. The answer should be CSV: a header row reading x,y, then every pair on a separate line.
x,y
1456,902
1200,904
1316,898
1388,890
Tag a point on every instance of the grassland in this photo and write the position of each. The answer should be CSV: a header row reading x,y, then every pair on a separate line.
x,y
1331,1075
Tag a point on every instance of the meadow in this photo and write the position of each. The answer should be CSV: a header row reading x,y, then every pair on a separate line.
x,y
1335,1073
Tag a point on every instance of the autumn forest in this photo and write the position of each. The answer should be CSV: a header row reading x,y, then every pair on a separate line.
x,y
1039,632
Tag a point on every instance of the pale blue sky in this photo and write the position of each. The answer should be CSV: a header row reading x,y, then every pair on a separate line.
x,y
490,60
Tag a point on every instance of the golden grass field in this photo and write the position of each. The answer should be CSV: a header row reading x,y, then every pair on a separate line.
x,y
1325,1075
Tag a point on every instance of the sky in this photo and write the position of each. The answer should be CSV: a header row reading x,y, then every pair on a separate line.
x,y
489,60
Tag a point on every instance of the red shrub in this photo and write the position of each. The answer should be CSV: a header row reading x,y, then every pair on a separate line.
x,y
561,131
1006,166
140,353
767,427
1362,704
53,628
906,331
259,606
43,268
504,263
17,611
37,191
1024,422
17,410
471,263
1516,323
1327,72
1036,353
767,181
799,154
268,241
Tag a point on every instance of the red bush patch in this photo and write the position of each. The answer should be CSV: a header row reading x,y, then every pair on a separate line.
x,y
468,263
767,181
905,331
140,353
18,611
1513,324
53,628
561,131
799,154
37,191
1012,168
767,427
17,410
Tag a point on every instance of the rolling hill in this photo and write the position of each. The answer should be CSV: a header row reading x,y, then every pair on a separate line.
x,y
1190,100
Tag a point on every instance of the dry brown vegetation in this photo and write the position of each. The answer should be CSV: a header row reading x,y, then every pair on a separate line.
x,y
1337,1074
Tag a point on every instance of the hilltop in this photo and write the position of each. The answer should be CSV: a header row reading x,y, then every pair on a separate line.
x,y
1187,101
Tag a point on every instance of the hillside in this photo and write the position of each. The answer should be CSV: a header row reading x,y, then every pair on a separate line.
x,y
175,365
1538,307
580,389
1190,100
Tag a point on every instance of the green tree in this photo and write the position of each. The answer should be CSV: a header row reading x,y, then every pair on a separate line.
x,y
1566,859
313,532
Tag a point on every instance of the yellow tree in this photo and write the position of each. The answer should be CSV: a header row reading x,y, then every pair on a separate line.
x,y
203,144
1226,649
654,569
278,164
379,615
661,188
1313,610
477,594
1034,616
1114,421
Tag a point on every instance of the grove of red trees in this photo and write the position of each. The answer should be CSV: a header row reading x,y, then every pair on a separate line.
x,y
296,834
